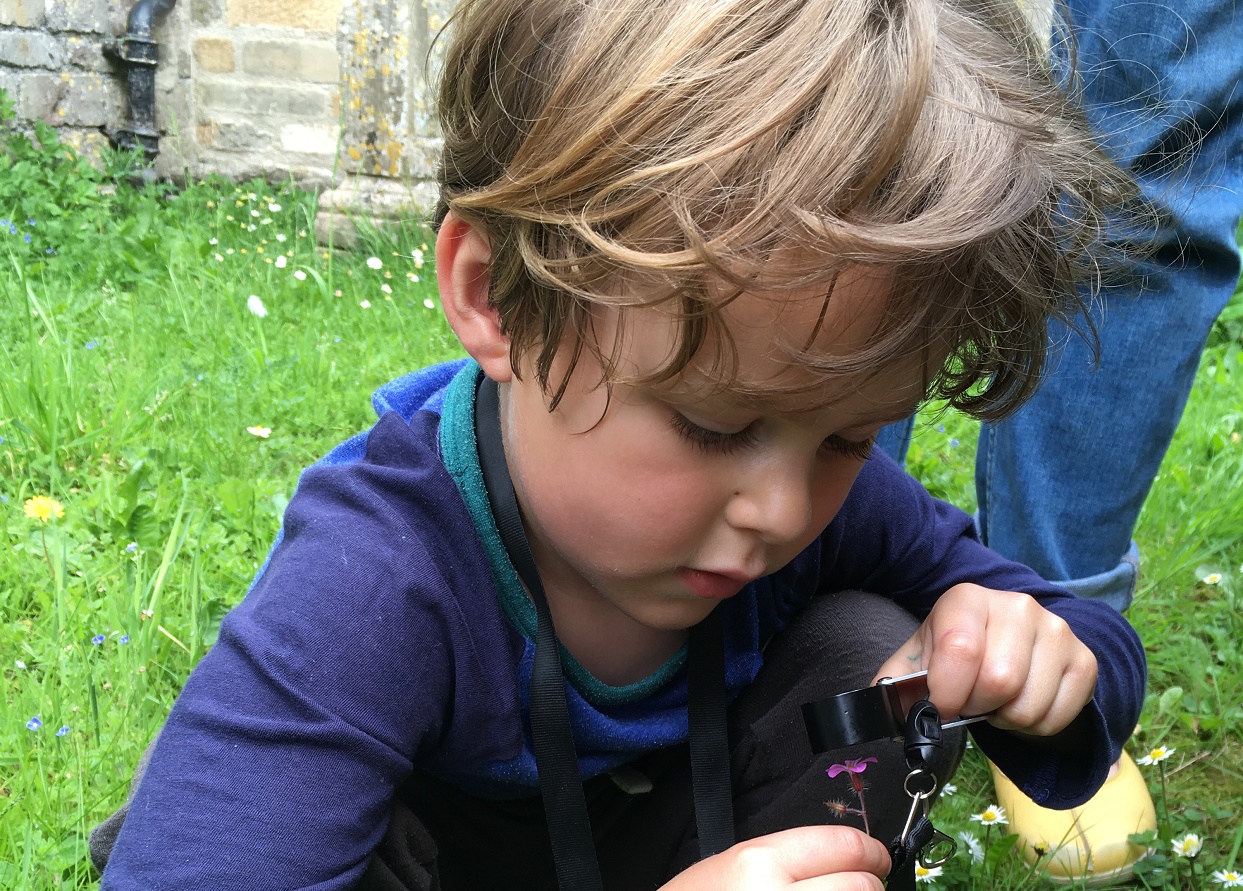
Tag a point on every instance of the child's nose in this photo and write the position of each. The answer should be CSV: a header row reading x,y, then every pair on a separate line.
x,y
774,502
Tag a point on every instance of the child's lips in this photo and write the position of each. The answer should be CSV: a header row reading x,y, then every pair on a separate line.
x,y
712,585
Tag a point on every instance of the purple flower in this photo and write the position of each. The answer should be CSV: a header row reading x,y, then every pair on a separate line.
x,y
64,730
98,639
853,765
34,723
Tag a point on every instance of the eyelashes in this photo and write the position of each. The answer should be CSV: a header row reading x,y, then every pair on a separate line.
x,y
715,442
711,441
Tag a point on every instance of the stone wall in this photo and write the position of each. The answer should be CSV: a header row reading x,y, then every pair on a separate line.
x,y
330,92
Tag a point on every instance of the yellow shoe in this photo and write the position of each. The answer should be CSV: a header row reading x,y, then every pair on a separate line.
x,y
1086,844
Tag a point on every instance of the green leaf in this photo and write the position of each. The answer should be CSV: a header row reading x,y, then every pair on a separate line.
x,y
144,527
998,850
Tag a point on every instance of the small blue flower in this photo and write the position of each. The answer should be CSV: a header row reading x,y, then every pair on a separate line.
x,y
30,222
98,639
131,548
34,723
954,443
940,428
91,344
63,731
123,639
49,251
4,224
26,239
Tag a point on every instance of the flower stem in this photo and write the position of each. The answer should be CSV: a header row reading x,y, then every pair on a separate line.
x,y
46,555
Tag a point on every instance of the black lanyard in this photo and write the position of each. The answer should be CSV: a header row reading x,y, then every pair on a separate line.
x,y
565,805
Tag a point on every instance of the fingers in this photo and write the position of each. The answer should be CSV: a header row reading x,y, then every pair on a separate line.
x,y
807,857
811,852
1001,652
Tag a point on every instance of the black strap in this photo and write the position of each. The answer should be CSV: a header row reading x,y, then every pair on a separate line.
x,y
714,800
565,807
905,854
569,826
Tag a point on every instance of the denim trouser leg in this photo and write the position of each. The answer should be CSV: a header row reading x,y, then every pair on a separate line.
x,y
1061,483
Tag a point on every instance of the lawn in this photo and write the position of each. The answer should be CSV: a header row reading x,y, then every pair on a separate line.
x,y
170,358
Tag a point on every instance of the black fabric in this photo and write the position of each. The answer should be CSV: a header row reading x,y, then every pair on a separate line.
x,y
709,746
642,840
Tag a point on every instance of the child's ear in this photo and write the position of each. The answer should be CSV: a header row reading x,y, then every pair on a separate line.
x,y
464,274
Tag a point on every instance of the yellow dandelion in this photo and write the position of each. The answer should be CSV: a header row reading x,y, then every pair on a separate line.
x,y
42,508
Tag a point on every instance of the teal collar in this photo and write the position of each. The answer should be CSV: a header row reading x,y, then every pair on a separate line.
x,y
461,458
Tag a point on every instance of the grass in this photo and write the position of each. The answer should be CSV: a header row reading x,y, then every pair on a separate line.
x,y
140,391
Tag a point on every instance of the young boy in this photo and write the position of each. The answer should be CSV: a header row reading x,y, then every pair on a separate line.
x,y
699,252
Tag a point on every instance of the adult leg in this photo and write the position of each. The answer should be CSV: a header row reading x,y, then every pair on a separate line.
x,y
1061,483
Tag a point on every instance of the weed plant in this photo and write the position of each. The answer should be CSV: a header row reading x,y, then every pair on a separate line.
x,y
170,358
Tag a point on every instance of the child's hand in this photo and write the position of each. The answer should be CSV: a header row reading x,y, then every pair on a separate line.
x,y
811,857
998,651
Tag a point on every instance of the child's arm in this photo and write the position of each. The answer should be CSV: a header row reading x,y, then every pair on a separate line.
x,y
839,857
349,662
892,538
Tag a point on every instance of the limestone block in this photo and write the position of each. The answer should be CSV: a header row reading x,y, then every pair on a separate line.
x,y
76,99
214,54
90,143
306,15
87,16
374,40
262,100
31,49
9,83
309,140
23,13
206,12
240,136
316,62
88,53
379,200
38,96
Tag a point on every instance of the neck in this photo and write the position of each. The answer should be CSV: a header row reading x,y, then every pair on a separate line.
x,y
616,649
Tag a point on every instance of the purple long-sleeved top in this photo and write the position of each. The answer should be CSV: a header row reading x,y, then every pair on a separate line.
x,y
387,631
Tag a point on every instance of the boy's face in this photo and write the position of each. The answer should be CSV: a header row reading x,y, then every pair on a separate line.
x,y
653,505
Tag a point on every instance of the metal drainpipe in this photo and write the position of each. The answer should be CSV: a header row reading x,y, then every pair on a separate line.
x,y
140,54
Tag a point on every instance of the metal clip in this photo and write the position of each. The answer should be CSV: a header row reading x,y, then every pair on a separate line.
x,y
939,840
918,798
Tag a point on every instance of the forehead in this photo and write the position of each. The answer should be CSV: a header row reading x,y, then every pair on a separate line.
x,y
792,351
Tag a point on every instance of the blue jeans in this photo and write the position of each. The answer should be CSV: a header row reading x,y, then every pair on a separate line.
x,y
1061,482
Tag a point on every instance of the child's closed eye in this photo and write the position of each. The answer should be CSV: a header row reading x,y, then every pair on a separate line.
x,y
712,441
719,442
